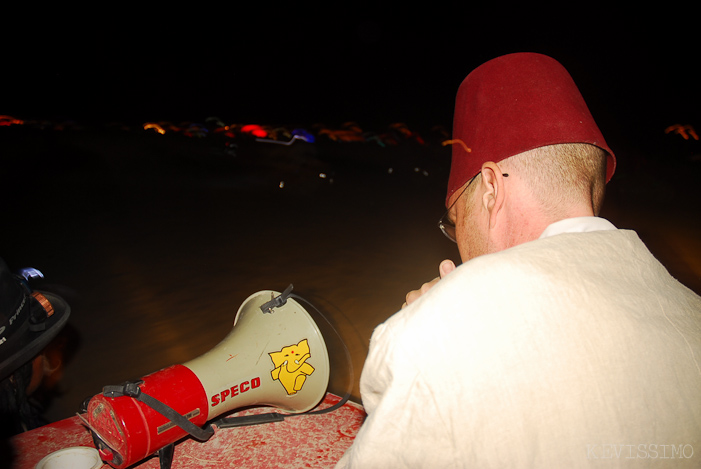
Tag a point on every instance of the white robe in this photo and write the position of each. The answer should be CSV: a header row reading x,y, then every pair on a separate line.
x,y
573,350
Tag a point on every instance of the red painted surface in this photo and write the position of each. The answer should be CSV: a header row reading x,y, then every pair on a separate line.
x,y
137,434
304,441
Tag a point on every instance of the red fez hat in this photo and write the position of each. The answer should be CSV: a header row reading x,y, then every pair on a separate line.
x,y
513,104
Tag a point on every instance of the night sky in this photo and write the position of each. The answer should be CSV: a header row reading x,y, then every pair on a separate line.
x,y
302,65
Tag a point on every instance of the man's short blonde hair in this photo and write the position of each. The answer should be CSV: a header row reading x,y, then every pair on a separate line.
x,y
562,176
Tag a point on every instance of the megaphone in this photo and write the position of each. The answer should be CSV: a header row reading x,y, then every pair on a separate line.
x,y
274,356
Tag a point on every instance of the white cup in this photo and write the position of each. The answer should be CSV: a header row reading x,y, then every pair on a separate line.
x,y
78,457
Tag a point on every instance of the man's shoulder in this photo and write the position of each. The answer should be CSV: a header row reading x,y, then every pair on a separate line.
x,y
557,252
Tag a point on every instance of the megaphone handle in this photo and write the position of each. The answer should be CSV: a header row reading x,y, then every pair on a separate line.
x,y
246,420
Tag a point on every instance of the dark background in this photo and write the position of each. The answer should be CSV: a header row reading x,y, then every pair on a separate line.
x,y
637,68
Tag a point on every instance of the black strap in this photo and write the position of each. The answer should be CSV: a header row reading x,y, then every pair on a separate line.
x,y
132,389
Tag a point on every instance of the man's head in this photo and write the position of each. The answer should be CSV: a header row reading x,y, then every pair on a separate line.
x,y
522,115
513,201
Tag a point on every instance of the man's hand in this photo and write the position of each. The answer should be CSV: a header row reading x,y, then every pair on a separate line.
x,y
446,267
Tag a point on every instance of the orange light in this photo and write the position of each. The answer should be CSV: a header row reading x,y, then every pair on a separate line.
x,y
685,131
156,127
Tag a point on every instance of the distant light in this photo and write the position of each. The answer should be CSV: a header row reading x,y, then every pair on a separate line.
x,y
322,175
30,272
156,127
459,142
281,185
9,120
303,134
255,130
685,131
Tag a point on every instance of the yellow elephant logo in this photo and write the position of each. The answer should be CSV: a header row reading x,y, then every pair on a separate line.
x,y
291,367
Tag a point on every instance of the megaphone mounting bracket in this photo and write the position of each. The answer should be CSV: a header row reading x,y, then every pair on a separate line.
x,y
277,301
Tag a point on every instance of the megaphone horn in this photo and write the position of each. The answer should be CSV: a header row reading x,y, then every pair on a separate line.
x,y
275,355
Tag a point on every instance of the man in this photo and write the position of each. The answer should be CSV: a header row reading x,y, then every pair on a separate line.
x,y
560,341
29,321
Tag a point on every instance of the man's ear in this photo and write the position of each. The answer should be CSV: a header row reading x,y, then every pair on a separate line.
x,y
492,181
